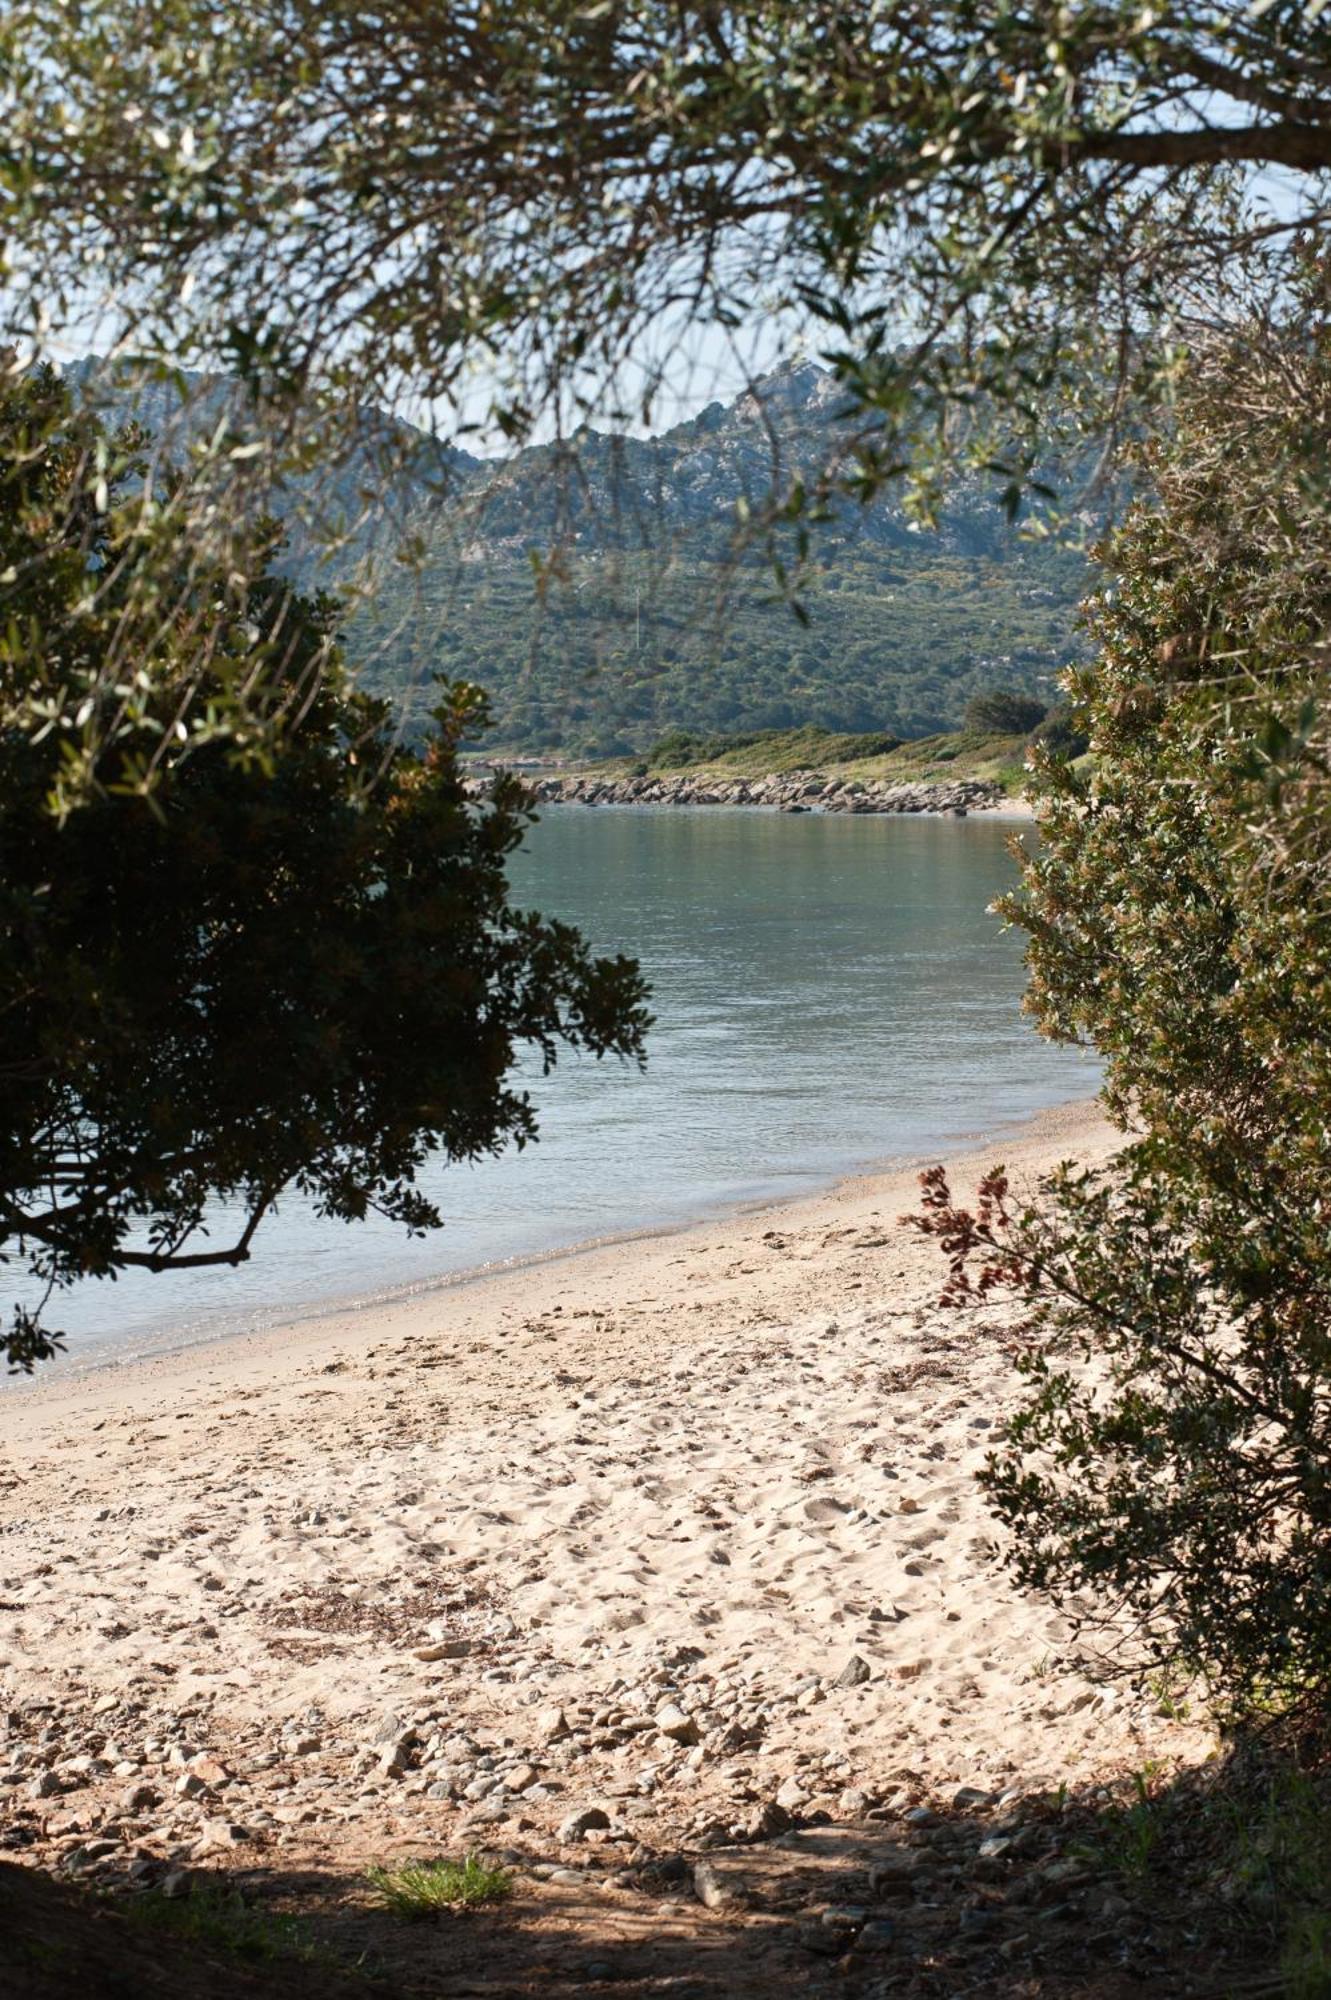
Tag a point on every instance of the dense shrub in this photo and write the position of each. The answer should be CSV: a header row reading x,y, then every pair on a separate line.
x,y
1060,736
1004,712
1173,1453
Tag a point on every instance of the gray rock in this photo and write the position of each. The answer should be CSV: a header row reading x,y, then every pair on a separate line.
x,y
854,1674
590,1819
672,1722
442,1649
715,1890
843,1916
90,1854
766,1821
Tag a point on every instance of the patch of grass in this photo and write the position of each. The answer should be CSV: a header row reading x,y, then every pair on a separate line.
x,y
417,1889
1282,1868
1132,1833
221,1919
1168,1691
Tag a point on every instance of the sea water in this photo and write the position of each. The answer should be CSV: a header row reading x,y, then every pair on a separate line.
x,y
830,992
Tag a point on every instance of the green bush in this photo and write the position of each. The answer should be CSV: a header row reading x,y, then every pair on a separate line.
x,y
1060,736
1004,712
1172,1456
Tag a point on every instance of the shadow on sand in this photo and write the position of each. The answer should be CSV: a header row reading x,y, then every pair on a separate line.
x,y
1215,1882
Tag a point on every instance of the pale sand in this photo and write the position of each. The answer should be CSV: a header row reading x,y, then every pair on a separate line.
x,y
755,1439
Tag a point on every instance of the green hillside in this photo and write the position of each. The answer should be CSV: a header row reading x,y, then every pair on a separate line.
x,y
603,593
620,652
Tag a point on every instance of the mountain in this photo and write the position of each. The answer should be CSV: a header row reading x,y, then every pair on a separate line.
x,y
604,590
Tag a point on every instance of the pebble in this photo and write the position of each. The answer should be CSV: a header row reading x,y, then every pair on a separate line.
x,y
88,1855
854,1674
714,1890
843,1916
591,1819
766,1821
672,1722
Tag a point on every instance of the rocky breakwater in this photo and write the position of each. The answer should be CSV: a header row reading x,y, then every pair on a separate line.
x,y
791,791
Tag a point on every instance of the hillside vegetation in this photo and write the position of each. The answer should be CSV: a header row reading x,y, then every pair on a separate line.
x,y
607,590
870,757
622,651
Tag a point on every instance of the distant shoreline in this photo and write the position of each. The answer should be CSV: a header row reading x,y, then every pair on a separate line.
x,y
795,792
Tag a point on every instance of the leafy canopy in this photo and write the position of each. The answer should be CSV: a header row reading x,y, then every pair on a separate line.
x,y
1006,711
234,963
993,219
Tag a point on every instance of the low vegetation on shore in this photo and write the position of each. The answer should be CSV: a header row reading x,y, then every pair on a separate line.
x,y
991,757
800,766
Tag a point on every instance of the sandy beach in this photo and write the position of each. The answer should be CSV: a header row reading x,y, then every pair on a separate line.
x,y
676,1533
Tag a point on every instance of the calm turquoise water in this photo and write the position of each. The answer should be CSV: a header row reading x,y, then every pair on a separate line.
x,y
829,992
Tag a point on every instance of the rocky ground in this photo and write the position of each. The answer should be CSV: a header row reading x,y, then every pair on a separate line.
x,y
658,1574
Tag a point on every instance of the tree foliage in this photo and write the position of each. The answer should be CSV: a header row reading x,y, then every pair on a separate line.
x,y
1004,711
234,964
1174,1449
993,221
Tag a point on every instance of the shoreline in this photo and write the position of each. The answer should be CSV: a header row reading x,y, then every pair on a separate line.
x,y
803,791
1021,1131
